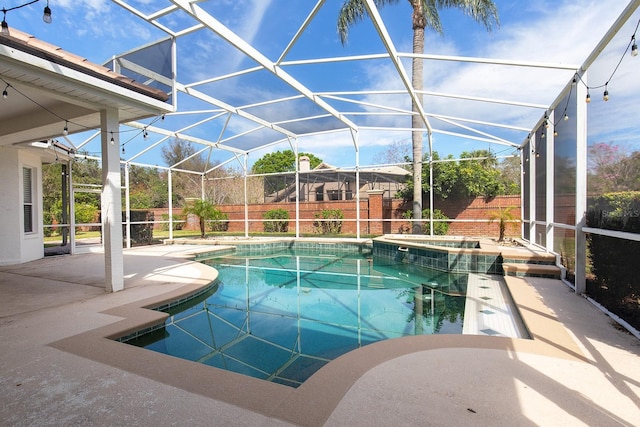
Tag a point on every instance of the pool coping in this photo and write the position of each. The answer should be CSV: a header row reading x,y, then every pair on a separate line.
x,y
313,402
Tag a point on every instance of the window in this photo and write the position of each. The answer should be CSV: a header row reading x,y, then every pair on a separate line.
x,y
27,188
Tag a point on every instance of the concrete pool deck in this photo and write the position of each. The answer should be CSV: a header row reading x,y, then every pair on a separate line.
x,y
56,367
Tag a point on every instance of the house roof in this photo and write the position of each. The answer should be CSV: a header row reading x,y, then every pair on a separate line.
x,y
49,89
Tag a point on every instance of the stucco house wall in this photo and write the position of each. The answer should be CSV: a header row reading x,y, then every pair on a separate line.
x,y
19,246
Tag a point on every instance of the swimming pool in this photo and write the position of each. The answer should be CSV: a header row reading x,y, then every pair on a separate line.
x,y
283,316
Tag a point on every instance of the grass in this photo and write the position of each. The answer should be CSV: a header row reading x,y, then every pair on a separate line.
x,y
159,235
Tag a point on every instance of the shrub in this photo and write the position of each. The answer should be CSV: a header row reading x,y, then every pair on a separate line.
x,y
276,221
502,216
218,221
208,215
329,221
141,234
177,222
440,228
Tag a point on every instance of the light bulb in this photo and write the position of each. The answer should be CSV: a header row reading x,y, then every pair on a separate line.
x,y
588,99
113,141
566,117
555,132
65,131
5,28
605,96
634,50
46,16
5,94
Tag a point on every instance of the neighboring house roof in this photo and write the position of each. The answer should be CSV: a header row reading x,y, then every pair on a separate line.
x,y
367,174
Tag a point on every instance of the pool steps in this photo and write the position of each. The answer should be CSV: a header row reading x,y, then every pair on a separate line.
x,y
464,255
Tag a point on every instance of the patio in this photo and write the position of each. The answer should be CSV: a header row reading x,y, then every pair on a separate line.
x,y
578,369
57,365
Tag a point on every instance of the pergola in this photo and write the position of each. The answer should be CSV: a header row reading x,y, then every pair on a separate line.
x,y
247,97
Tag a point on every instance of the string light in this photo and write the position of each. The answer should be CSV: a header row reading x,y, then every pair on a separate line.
x,y
65,131
46,17
112,141
5,26
605,96
5,94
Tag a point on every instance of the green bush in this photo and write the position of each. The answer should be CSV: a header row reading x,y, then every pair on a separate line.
x,y
276,221
218,221
329,221
440,228
177,222
86,213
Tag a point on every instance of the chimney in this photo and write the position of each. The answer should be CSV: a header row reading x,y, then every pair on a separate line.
x,y
305,164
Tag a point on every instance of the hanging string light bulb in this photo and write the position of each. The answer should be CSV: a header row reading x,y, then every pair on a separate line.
x,y
5,93
46,16
5,26
634,46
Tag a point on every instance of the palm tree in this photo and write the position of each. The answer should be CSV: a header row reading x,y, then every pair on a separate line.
x,y
503,216
425,14
203,209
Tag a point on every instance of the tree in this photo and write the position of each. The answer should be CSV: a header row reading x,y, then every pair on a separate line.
x,y
502,216
281,161
147,189
183,155
396,153
612,168
424,14
510,174
475,174
204,210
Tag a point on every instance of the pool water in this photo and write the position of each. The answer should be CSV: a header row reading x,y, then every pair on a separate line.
x,y
282,317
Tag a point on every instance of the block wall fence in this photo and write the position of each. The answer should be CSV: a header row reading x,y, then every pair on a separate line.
x,y
379,216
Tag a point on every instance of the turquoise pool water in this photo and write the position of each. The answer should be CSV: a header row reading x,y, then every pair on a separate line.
x,y
284,316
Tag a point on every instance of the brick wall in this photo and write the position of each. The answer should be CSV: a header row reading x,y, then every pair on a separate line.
x,y
379,215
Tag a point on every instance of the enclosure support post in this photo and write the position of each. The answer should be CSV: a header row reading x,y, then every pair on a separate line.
x,y
429,136
581,189
550,192
246,200
354,135
127,204
111,202
72,211
65,203
170,193
532,188
297,163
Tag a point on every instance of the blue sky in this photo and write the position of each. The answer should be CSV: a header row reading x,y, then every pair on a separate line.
x,y
562,32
